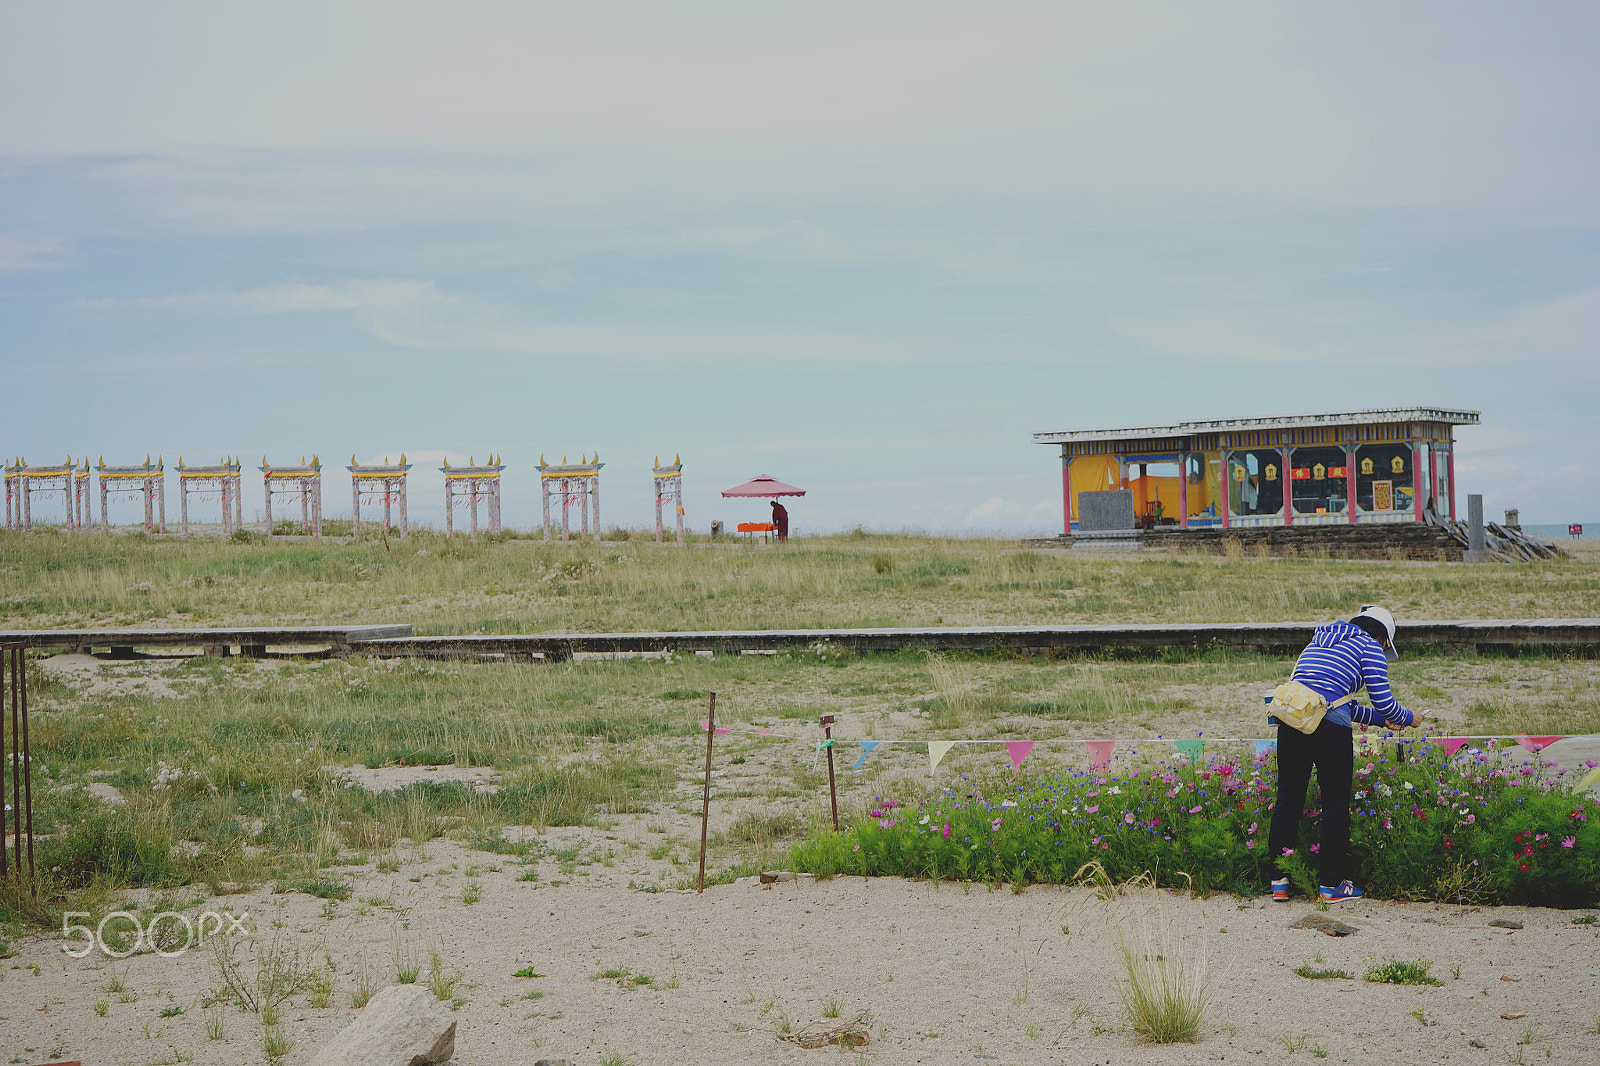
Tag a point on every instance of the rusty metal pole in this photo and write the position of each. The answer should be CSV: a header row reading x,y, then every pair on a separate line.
x,y
833,791
19,670
705,803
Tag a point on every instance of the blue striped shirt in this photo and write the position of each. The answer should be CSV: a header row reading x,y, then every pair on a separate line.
x,y
1342,659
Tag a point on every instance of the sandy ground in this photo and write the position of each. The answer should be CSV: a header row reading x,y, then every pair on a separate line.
x,y
948,973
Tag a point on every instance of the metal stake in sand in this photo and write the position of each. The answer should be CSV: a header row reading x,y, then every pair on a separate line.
x,y
705,804
833,791
13,657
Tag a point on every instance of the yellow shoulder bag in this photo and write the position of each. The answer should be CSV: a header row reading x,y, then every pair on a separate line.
x,y
1301,707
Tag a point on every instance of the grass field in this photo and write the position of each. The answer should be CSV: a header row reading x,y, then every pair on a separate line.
x,y
446,586
224,766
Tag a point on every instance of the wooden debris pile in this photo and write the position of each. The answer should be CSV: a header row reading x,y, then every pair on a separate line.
x,y
1503,543
851,1033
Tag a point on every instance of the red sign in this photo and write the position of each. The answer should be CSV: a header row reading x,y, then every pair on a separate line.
x,y
1338,471
1300,473
1575,530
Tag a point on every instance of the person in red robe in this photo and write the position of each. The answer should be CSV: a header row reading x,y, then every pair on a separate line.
x,y
780,518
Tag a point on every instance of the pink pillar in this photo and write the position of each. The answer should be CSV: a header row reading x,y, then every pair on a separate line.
x,y
1450,465
1183,490
1350,481
1416,482
1066,492
1287,475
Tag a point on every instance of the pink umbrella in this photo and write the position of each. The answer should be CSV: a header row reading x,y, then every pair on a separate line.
x,y
763,485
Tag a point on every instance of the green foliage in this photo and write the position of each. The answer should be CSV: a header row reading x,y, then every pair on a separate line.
x,y
1402,972
1305,969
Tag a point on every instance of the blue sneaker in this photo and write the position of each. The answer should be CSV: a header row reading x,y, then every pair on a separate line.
x,y
1280,890
1344,891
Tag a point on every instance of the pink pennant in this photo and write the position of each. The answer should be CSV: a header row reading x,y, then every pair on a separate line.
x,y
1100,752
1018,750
1451,745
1534,745
705,724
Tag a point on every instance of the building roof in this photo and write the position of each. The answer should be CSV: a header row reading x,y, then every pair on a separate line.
x,y
1228,425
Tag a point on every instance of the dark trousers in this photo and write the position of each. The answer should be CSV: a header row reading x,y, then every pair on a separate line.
x,y
1329,750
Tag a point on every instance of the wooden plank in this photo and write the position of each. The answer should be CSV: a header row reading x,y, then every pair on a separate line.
x,y
243,636
1254,636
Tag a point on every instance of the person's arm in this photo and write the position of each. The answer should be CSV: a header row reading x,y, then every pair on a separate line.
x,y
1375,672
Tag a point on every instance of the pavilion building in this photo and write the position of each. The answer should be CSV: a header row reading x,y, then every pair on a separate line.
x,y
1392,464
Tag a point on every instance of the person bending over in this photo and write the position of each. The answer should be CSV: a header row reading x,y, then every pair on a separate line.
x,y
1342,658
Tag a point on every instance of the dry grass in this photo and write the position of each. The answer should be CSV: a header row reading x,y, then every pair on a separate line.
x,y
444,585
1166,983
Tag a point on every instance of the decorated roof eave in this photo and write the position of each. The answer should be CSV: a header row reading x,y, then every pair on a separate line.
x,y
1375,416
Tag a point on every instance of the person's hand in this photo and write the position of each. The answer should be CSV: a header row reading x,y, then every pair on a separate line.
x,y
1417,717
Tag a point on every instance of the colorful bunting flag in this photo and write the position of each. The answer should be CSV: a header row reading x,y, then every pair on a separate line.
x,y
706,724
1264,746
866,749
1018,750
1451,745
1192,748
937,749
1100,752
1534,745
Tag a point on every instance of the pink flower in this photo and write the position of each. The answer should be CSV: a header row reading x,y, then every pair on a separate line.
x,y
1127,816
1250,844
946,832
1154,822
1315,848
1286,851
1092,810
994,826
1195,809
856,848
1471,818
1252,828
1569,842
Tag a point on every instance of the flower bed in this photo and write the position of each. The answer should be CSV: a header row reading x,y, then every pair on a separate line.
x,y
1475,827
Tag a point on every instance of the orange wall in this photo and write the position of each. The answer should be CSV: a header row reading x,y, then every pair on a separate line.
x,y
1092,473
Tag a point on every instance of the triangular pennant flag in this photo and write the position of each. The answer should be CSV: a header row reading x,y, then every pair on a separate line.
x,y
1264,746
866,749
705,724
1191,748
1018,750
1534,745
1451,745
1100,752
937,749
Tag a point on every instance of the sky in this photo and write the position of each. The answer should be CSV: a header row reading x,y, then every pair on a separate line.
x,y
867,248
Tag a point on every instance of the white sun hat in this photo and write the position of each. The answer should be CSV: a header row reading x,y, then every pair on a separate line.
x,y
1385,619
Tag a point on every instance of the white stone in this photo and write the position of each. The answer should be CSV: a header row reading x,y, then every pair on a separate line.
x,y
401,1026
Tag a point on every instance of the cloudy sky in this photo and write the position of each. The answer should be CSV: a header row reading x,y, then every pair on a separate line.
x,y
868,248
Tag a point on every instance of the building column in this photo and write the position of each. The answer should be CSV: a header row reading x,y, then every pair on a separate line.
x,y
1450,467
596,484
1225,477
1066,492
1350,481
1183,490
402,505
1286,479
1416,482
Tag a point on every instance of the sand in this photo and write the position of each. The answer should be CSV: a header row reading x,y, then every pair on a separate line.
x,y
949,973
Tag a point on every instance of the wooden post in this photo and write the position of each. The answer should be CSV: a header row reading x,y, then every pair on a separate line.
x,y
705,803
833,790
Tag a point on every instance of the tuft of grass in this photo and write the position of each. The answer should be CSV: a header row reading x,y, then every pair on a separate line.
x,y
1166,984
832,1008
1305,969
407,957
275,1043
1402,972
